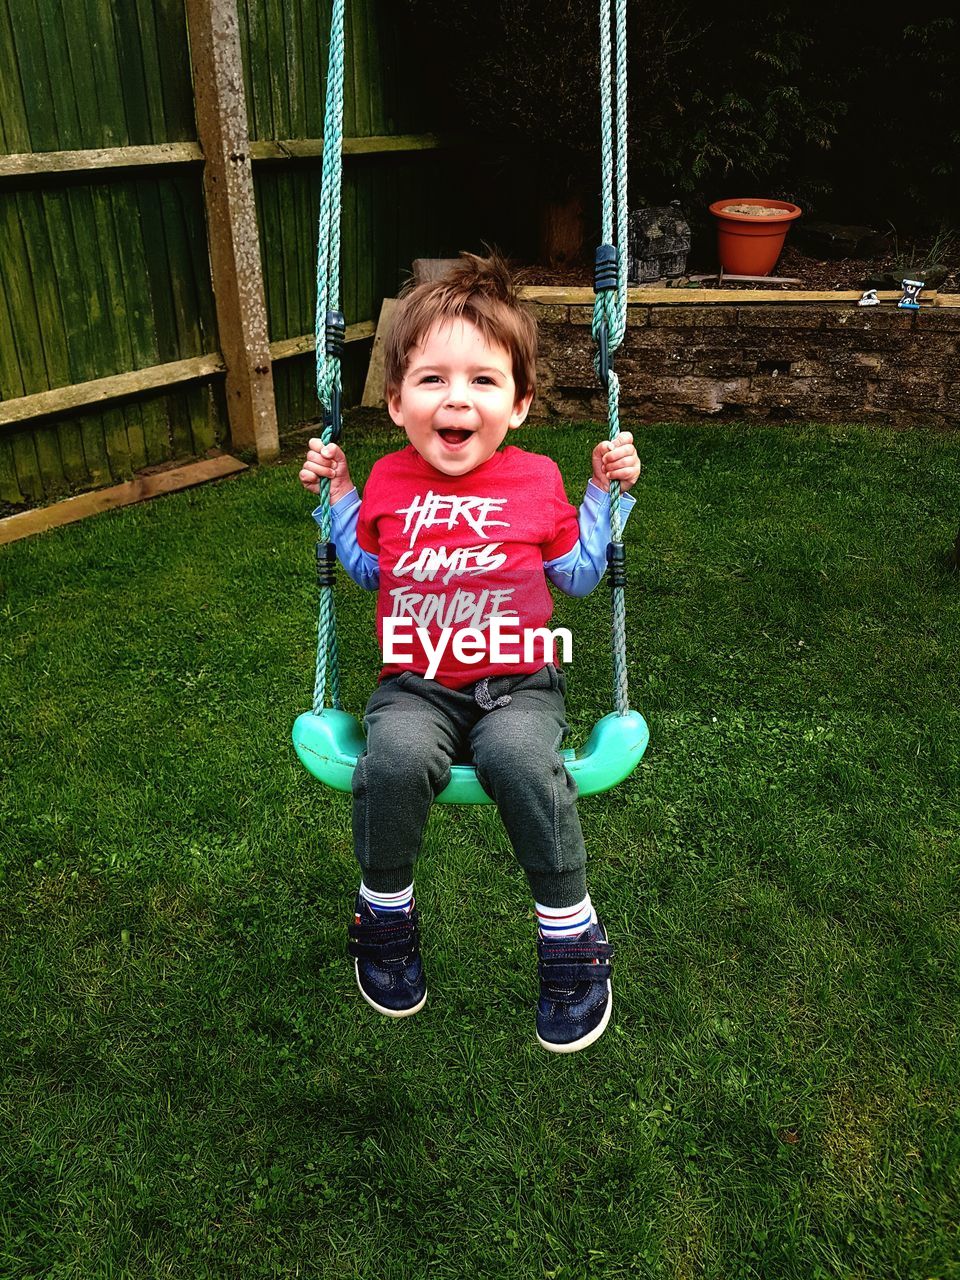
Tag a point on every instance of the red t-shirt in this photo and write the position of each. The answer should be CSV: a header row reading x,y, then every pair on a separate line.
x,y
456,551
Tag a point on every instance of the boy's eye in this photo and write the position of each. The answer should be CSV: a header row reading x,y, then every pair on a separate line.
x,y
484,379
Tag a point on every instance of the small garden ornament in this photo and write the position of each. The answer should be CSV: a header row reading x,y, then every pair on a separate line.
x,y
911,295
869,299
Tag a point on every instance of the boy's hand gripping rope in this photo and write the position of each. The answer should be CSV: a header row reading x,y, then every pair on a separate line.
x,y
610,308
330,329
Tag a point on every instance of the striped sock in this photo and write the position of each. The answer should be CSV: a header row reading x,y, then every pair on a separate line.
x,y
565,922
383,902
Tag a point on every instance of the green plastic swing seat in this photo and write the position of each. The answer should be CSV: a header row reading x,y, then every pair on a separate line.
x,y
329,745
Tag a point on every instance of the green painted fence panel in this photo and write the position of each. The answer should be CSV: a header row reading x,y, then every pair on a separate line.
x,y
108,271
93,73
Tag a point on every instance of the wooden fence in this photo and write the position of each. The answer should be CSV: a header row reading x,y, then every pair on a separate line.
x,y
116,350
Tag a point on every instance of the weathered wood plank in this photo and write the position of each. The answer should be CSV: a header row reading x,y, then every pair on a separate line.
x,y
373,386
14,129
136,437
180,206
50,223
70,438
274,69
38,305
95,449
135,83
130,261
311,148
298,73
358,68
114,425
201,411
49,461
308,17
40,162
117,283
10,490
374,69
26,468
290,347
11,380
706,297
139,489
94,352
349,98
349,235
260,106
366,250
175,79
102,390
33,163
53,35
33,75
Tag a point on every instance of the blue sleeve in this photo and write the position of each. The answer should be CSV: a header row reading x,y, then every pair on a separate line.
x,y
579,571
362,567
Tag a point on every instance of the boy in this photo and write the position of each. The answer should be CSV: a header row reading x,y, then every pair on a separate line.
x,y
456,535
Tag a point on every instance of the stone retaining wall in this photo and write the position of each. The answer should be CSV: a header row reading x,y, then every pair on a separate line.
x,y
818,362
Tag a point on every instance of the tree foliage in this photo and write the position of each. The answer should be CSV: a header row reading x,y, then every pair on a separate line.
x,y
813,104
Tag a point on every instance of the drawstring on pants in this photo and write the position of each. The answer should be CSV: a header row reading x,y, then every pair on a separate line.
x,y
481,695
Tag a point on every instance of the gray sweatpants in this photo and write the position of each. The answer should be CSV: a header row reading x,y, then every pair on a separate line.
x,y
417,728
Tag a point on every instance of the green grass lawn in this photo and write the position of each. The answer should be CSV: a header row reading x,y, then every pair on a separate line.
x,y
192,1086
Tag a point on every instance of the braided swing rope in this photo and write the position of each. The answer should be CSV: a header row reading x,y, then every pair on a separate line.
x,y
610,307
609,326
329,330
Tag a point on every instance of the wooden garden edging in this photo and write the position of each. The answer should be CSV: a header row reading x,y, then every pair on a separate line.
x,y
582,296
139,489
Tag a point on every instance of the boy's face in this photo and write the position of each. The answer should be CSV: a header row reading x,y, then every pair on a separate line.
x,y
458,399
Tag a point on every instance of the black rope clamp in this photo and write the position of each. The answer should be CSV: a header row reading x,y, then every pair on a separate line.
x,y
617,560
332,417
335,333
604,279
605,268
326,563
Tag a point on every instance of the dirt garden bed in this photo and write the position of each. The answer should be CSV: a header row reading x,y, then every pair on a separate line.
x,y
812,273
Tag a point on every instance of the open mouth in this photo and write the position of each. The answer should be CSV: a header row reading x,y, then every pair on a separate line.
x,y
453,435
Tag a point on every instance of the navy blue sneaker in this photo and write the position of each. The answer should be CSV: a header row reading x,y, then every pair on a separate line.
x,y
576,997
386,950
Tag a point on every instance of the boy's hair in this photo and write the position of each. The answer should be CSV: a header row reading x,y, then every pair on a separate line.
x,y
480,290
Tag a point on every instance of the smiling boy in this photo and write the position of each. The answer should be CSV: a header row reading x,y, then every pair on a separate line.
x,y
456,533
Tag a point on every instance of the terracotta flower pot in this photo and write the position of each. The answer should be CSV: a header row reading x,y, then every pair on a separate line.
x,y
749,243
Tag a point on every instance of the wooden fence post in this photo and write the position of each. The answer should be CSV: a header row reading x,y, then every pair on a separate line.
x,y
232,224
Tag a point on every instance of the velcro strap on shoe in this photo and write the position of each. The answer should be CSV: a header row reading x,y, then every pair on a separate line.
x,y
577,952
573,974
382,942
382,954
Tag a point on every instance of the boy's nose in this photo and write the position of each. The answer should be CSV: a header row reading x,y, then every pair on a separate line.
x,y
457,398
